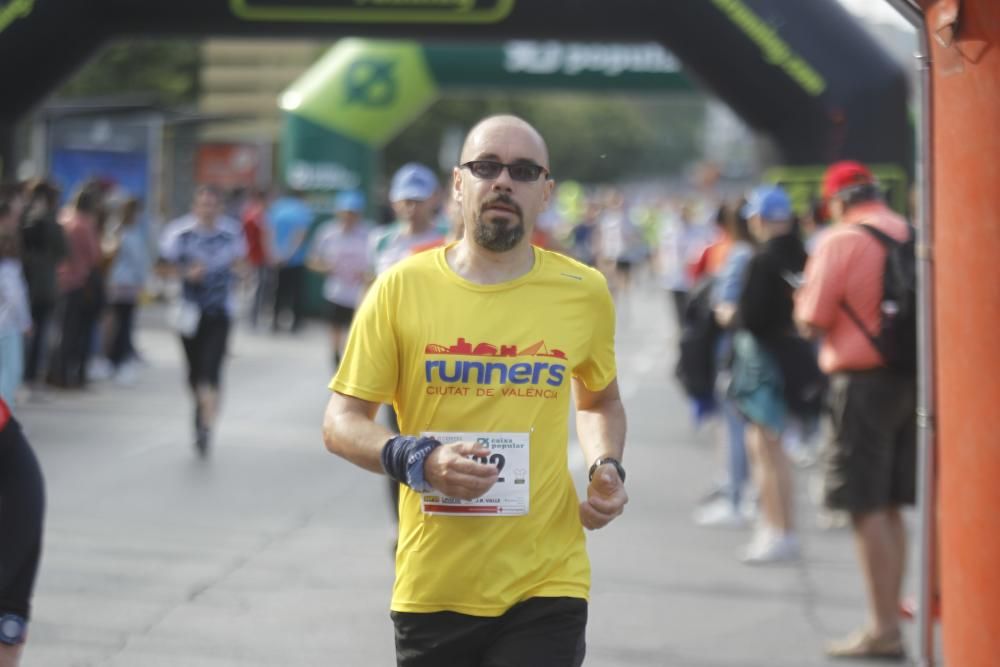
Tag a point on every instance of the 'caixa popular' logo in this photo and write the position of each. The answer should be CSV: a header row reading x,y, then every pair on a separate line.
x,y
503,364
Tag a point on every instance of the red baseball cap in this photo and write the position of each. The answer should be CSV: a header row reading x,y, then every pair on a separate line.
x,y
843,175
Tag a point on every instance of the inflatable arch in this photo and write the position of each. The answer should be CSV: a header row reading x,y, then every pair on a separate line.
x,y
362,93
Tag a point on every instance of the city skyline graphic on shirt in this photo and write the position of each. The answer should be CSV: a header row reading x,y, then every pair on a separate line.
x,y
466,349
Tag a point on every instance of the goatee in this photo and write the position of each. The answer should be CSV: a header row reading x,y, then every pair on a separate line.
x,y
498,234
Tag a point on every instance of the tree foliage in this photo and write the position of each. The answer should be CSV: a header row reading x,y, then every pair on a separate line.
x,y
591,138
165,69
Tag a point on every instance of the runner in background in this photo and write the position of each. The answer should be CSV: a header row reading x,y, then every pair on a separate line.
x,y
289,219
256,231
679,238
414,194
415,197
619,238
340,252
205,252
585,236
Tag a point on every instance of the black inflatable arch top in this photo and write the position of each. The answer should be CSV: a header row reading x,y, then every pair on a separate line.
x,y
800,71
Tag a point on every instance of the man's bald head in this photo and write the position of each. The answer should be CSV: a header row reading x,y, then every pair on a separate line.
x,y
499,210
486,129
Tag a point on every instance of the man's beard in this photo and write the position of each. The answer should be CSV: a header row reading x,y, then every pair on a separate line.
x,y
498,234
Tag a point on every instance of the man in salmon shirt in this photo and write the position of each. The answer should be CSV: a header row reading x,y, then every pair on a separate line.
x,y
871,461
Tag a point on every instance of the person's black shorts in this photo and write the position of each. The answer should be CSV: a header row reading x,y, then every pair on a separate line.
x,y
871,461
206,350
624,265
22,506
338,315
539,632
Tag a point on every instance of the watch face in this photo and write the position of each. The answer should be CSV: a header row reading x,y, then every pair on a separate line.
x,y
609,461
11,629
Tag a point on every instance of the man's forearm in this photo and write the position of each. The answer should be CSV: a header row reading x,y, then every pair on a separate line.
x,y
355,437
601,430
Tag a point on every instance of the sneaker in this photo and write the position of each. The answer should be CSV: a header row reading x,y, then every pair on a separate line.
x,y
99,369
804,456
772,548
800,445
719,513
864,646
716,492
762,535
828,519
127,375
201,442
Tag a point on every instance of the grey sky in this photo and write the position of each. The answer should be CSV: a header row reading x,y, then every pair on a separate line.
x,y
877,11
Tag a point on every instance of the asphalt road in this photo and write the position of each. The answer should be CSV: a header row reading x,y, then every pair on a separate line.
x,y
275,553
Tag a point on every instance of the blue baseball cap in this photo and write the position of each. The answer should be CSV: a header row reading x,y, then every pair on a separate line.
x,y
413,181
770,202
349,200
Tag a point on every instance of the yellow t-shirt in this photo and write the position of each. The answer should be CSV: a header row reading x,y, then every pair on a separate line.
x,y
455,356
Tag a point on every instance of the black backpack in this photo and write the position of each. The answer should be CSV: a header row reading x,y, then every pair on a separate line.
x,y
896,339
695,368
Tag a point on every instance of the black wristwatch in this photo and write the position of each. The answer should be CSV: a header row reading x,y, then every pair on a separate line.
x,y
607,459
13,629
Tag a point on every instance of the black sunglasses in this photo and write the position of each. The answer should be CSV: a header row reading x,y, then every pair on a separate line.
x,y
525,172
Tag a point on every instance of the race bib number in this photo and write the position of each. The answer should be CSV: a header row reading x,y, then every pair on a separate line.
x,y
509,496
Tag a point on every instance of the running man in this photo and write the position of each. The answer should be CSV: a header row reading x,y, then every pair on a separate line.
x,y
205,249
414,194
340,252
414,197
478,344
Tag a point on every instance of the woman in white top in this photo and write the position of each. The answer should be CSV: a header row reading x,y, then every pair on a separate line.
x,y
340,251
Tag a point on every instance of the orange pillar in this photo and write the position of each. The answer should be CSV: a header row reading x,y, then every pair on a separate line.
x,y
966,150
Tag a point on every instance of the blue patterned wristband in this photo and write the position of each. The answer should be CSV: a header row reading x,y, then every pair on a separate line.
x,y
403,459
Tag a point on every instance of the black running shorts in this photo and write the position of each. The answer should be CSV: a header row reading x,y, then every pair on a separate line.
x,y
539,632
22,506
